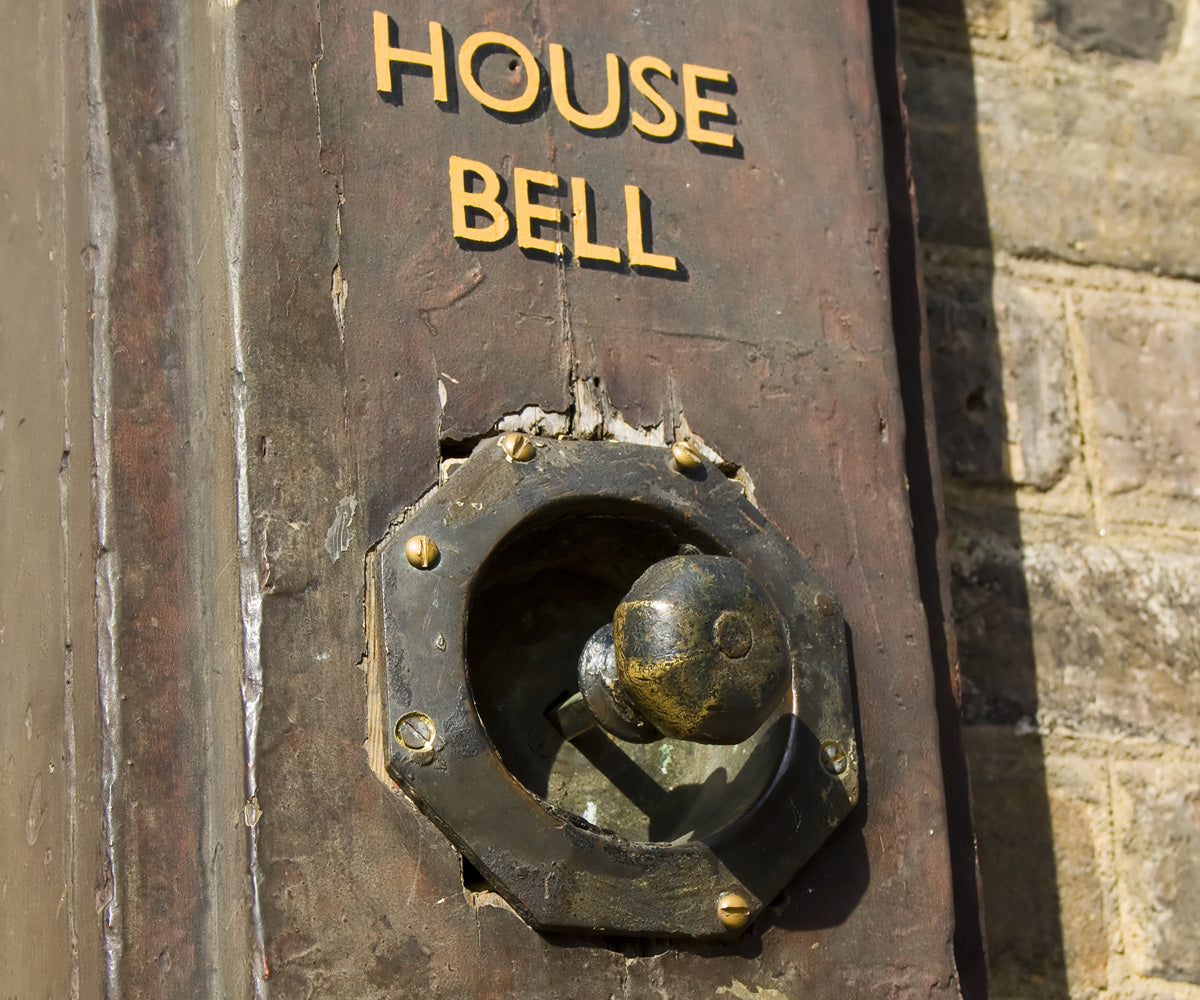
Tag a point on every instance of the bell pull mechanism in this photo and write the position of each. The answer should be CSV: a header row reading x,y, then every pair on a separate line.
x,y
695,651
615,687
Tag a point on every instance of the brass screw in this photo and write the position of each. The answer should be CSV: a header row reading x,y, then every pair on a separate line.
x,y
517,447
421,551
826,604
687,455
416,731
833,757
733,911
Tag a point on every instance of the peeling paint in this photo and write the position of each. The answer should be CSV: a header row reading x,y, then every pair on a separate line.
x,y
340,292
101,200
339,536
252,677
744,992
594,417
535,420
250,558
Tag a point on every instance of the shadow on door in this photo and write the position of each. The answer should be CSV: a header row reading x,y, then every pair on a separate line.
x,y
984,587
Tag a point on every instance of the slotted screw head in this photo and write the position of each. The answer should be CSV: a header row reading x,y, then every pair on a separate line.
x,y
517,447
833,757
733,911
416,731
687,456
421,551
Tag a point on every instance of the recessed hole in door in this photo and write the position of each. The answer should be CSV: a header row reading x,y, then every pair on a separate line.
x,y
537,599
473,879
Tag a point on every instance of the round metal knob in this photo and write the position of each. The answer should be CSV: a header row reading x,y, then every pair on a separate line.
x,y
696,651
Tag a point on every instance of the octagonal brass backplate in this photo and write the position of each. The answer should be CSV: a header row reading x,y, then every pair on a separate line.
x,y
590,837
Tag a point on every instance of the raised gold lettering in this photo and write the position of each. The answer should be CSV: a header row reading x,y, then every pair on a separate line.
x,y
528,210
486,201
386,55
466,70
639,253
581,227
562,96
694,105
670,117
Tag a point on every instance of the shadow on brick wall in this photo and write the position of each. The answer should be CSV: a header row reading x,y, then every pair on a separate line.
x,y
991,635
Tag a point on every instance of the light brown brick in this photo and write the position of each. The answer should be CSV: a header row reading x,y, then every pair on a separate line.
x,y
1079,815
1044,902
992,618
1089,638
1148,29
980,17
1158,828
1143,366
1004,387
1116,633
1057,158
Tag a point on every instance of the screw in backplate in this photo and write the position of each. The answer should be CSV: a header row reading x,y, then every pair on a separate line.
x,y
686,455
733,911
416,731
421,551
833,757
517,447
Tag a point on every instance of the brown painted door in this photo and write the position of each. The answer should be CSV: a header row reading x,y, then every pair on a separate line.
x,y
334,246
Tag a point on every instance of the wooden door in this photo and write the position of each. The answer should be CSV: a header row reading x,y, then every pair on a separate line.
x,y
335,245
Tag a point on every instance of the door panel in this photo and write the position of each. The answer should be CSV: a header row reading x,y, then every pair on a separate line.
x,y
372,348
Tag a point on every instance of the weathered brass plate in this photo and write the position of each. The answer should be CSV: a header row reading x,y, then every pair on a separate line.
x,y
466,654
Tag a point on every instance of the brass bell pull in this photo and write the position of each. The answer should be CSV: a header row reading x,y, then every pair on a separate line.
x,y
695,651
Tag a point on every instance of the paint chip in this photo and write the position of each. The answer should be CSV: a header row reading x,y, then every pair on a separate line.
x,y
338,537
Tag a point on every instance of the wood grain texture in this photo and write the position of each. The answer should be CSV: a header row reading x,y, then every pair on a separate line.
x,y
50,826
173,903
777,350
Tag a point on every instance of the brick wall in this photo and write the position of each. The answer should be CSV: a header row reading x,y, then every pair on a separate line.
x,y
1056,146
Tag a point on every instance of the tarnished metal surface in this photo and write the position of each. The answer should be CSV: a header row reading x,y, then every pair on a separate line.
x,y
602,698
705,657
561,869
700,649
